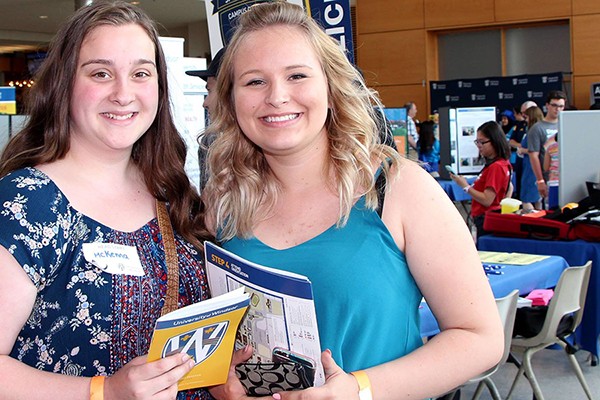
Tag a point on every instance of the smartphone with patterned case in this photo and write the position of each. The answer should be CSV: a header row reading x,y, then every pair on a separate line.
x,y
281,354
264,379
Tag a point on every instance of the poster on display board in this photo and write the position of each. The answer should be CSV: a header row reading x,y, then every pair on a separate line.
x,y
458,131
468,119
396,117
8,100
333,15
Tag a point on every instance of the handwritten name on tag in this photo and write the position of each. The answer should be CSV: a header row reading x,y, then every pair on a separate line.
x,y
114,258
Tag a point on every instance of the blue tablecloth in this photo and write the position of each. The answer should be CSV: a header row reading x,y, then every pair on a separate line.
x,y
454,191
525,278
576,252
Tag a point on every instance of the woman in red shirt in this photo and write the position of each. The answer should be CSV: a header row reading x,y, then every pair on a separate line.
x,y
493,182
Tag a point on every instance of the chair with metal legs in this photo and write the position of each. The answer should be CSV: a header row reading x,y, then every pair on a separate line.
x,y
507,307
569,299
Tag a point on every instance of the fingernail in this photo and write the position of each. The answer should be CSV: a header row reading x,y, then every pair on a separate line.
x,y
277,396
185,357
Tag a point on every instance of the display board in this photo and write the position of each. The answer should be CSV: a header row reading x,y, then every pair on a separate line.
x,y
458,130
578,141
397,120
187,110
8,100
468,119
447,138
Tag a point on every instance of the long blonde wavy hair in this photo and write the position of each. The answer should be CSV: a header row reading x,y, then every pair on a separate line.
x,y
241,189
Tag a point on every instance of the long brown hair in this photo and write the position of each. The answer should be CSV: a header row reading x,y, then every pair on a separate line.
x,y
159,154
534,115
426,136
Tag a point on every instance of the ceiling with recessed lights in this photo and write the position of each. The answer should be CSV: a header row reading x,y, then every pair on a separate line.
x,y
26,25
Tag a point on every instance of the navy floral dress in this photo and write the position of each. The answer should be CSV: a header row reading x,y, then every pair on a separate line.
x,y
86,322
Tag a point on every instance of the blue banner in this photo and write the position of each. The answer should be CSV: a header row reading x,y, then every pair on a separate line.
x,y
228,12
333,15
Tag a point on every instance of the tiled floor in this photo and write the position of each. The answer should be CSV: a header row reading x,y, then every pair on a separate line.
x,y
554,374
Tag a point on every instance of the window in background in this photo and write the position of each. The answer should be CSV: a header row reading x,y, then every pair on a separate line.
x,y
475,54
528,50
537,50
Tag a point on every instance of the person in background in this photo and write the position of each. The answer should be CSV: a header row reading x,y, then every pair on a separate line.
x,y
85,177
551,166
210,77
538,134
515,142
529,193
493,182
411,125
435,117
292,186
428,148
507,122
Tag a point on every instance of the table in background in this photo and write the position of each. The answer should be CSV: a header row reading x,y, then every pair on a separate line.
x,y
454,191
525,278
458,195
576,253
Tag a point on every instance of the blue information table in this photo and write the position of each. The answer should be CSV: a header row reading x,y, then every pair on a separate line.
x,y
525,278
576,252
454,191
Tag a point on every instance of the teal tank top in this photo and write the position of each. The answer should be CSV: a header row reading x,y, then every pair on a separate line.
x,y
366,300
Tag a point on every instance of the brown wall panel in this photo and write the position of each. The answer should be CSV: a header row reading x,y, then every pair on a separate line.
x,y
431,54
384,15
397,43
586,7
397,96
392,58
585,32
519,10
444,13
581,90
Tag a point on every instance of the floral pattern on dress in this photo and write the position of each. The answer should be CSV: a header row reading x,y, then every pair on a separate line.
x,y
85,321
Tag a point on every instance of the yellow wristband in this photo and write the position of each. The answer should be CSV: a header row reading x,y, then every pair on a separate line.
x,y
97,388
364,385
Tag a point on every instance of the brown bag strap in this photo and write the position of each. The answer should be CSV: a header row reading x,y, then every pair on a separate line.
x,y
164,223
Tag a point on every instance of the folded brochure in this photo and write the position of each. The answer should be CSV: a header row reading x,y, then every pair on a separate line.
x,y
206,332
281,312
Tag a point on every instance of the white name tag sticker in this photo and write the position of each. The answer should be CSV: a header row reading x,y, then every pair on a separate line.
x,y
116,259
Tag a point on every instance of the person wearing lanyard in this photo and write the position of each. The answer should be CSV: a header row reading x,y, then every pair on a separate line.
x,y
493,182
